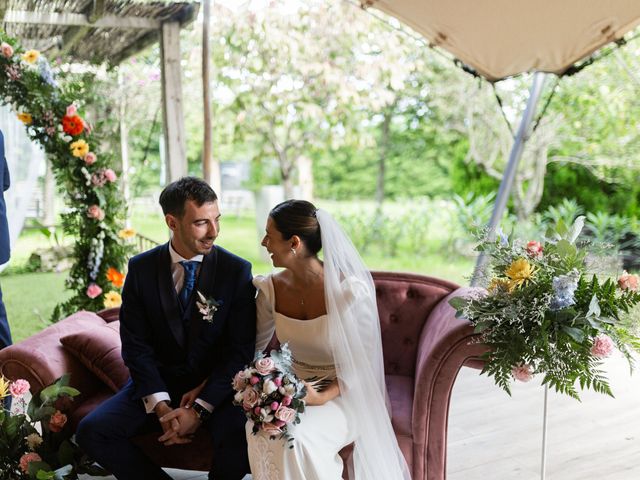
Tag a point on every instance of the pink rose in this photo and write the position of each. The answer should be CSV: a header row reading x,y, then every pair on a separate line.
x,y
628,282
522,372
57,421
265,366
271,429
26,459
535,249
7,50
239,381
93,290
249,397
253,380
71,110
95,212
110,175
19,388
90,158
602,346
286,414
279,423
286,401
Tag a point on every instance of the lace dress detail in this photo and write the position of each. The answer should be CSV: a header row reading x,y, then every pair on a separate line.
x,y
264,467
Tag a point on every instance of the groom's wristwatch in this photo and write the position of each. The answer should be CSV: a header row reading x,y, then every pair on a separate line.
x,y
202,412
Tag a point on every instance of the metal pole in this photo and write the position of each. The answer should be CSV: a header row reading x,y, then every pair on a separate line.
x,y
523,134
543,462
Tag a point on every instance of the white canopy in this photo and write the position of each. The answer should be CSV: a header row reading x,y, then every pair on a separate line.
x,y
501,38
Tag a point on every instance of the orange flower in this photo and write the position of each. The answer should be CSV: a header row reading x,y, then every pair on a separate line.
x,y
72,125
115,277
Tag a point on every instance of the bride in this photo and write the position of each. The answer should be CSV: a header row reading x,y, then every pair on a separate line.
x,y
326,311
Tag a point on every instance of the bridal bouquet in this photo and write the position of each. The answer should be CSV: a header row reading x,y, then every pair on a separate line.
x,y
269,393
34,442
543,313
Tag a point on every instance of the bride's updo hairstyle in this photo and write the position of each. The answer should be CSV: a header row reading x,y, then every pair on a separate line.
x,y
298,217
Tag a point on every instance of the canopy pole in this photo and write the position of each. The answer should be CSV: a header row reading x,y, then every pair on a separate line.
x,y
523,134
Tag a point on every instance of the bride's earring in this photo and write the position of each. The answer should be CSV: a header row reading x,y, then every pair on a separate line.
x,y
293,250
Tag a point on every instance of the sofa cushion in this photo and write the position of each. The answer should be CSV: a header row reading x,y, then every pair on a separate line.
x,y
99,349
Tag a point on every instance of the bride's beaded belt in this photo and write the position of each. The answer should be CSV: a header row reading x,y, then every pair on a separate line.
x,y
308,366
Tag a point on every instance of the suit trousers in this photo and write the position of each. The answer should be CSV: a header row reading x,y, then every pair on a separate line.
x,y
105,435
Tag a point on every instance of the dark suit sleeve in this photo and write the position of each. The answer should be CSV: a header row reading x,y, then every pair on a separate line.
x,y
240,339
6,179
137,352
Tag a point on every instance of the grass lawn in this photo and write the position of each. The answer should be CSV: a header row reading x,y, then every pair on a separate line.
x,y
31,297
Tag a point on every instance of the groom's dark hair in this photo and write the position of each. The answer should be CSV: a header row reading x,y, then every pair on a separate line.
x,y
176,194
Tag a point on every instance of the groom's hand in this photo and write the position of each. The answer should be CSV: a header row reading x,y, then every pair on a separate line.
x,y
168,427
188,423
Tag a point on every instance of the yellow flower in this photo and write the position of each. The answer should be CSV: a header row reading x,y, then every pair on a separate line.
x,y
112,299
498,284
79,148
126,233
25,118
4,387
31,56
519,272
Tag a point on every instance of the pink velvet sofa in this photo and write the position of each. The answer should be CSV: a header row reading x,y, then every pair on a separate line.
x,y
424,348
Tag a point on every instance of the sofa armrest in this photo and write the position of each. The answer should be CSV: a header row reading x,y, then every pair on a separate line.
x,y
446,344
41,358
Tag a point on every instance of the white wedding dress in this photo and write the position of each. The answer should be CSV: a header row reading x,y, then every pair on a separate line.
x,y
324,429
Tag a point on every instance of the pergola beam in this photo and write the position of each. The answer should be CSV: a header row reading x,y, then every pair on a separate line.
x,y
72,36
80,20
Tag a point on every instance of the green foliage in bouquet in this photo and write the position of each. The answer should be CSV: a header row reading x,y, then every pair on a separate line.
x,y
544,313
35,443
50,111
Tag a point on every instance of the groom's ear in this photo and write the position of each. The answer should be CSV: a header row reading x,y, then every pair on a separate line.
x,y
172,222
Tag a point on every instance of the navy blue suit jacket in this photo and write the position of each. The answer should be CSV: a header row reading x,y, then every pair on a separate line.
x,y
5,248
165,355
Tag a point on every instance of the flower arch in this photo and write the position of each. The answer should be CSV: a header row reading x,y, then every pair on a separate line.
x,y
52,115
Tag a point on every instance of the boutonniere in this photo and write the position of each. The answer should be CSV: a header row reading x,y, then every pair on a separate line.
x,y
207,306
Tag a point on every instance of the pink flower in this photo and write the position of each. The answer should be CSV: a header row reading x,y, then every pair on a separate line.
x,y
257,410
265,366
7,50
286,414
628,282
19,388
253,380
239,381
249,397
522,372
271,429
286,401
95,212
110,175
93,290
279,423
277,381
51,131
26,459
98,179
72,110
90,158
535,249
602,346
13,72
274,406
57,421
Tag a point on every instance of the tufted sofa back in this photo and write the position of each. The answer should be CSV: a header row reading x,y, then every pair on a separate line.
x,y
405,301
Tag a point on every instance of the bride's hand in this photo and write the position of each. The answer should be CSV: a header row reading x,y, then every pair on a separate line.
x,y
313,396
190,397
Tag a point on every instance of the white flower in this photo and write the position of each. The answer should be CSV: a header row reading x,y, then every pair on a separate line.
x,y
269,387
238,397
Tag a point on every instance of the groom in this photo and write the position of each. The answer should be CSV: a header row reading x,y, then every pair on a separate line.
x,y
171,348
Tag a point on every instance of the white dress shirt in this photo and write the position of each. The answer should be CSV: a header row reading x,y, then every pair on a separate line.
x,y
177,274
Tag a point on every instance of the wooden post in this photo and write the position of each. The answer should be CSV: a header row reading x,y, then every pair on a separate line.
x,y
124,151
173,118
210,167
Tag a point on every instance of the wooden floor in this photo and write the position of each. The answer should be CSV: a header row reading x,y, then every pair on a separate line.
x,y
496,437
